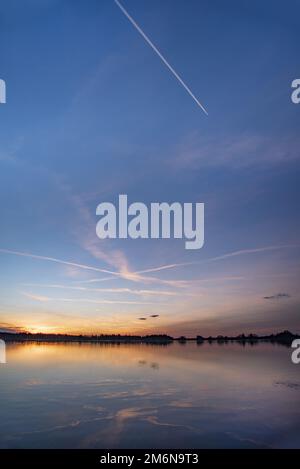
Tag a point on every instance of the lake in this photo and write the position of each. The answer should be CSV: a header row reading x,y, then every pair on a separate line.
x,y
72,395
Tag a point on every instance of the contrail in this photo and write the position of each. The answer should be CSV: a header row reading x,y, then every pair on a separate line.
x,y
128,276
219,258
153,269
252,251
160,55
58,261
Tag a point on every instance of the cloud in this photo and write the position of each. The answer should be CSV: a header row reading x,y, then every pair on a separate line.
x,y
6,327
240,252
40,298
142,279
89,242
152,316
124,273
95,247
129,291
184,283
278,296
237,151
86,300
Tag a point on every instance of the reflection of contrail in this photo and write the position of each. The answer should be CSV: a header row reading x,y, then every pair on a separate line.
x,y
160,55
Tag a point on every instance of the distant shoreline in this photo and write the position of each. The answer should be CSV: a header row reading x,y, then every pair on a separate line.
x,y
284,338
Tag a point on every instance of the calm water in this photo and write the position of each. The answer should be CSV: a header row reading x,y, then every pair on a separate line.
x,y
130,396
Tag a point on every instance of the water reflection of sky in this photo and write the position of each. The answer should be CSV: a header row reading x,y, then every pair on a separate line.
x,y
97,396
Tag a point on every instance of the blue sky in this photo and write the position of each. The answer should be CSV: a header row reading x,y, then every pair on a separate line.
x,y
92,112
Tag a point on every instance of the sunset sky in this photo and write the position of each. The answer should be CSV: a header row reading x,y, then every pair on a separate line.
x,y
92,112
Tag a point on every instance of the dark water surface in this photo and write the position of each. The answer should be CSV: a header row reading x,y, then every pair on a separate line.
x,y
130,396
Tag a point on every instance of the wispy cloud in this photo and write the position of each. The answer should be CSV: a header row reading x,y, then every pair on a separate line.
x,y
39,298
31,296
129,291
7,327
237,151
83,234
112,257
138,277
241,252
133,276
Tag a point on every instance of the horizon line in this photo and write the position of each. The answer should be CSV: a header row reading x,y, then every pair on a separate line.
x,y
160,334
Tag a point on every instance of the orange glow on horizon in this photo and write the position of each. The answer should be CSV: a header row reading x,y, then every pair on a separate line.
x,y
45,329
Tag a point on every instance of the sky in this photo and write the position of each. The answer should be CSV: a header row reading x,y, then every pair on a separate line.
x,y
93,112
